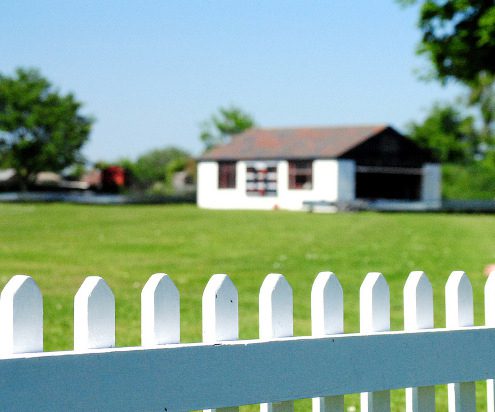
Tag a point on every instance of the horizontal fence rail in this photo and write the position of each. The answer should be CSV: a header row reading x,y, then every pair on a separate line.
x,y
223,372
198,376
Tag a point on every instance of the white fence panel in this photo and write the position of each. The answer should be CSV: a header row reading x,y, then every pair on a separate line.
x,y
276,321
178,377
374,299
327,318
160,311
418,314
223,372
221,318
459,314
21,316
94,315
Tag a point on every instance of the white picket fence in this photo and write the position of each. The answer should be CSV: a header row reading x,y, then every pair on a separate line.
x,y
224,372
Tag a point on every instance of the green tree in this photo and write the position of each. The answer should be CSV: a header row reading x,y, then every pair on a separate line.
x,y
482,95
458,36
451,136
40,128
221,127
158,165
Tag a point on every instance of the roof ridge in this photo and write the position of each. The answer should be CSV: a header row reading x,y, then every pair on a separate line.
x,y
300,142
360,126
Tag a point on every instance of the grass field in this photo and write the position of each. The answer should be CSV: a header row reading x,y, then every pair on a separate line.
x,y
60,244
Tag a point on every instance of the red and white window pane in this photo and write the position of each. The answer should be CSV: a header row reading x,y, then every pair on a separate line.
x,y
261,179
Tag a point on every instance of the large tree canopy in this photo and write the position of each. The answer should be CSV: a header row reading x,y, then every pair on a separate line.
x,y
448,134
458,36
222,126
40,129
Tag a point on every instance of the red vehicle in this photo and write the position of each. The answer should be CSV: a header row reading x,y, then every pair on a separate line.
x,y
113,178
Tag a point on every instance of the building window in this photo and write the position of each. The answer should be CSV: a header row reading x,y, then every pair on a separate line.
x,y
261,179
300,174
226,175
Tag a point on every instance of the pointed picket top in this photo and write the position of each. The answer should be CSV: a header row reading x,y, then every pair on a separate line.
x,y
458,300
21,316
418,314
490,300
459,313
418,302
275,307
276,321
160,311
220,316
220,310
327,318
374,309
327,305
374,297
94,315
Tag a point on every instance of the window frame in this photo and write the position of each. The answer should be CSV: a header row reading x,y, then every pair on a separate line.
x,y
227,175
300,168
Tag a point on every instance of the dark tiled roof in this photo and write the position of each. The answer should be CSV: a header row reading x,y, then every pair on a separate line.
x,y
295,143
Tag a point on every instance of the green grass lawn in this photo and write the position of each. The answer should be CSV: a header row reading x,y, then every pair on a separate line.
x,y
60,244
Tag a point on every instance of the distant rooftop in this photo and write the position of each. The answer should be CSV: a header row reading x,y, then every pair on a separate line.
x,y
294,143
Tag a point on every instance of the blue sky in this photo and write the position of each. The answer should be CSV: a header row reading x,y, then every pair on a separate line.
x,y
151,71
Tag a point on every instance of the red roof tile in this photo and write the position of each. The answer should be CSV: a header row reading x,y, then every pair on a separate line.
x,y
294,143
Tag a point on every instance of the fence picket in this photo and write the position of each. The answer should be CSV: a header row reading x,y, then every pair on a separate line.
x,y
220,310
220,316
327,318
21,316
490,321
160,311
271,370
459,314
276,321
94,315
374,309
418,314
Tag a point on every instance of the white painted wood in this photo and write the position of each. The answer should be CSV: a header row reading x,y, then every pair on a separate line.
x,y
220,310
490,395
459,314
21,316
490,321
160,311
328,403
420,399
374,309
220,316
276,321
418,302
94,315
327,305
327,318
275,307
374,304
194,376
458,301
418,314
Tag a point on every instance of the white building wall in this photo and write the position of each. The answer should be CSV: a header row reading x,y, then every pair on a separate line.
x,y
330,178
431,185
